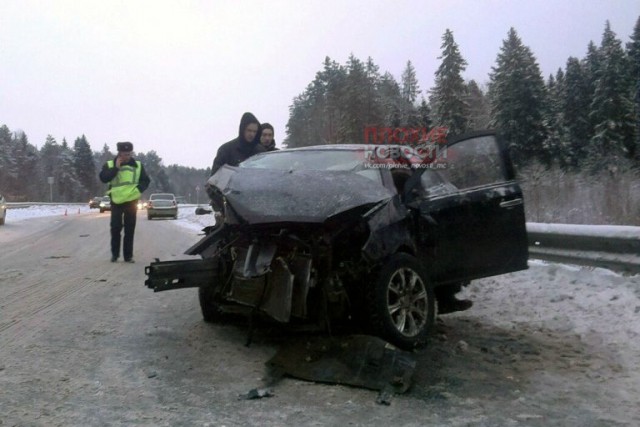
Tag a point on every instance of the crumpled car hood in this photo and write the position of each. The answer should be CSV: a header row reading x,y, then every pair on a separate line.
x,y
267,195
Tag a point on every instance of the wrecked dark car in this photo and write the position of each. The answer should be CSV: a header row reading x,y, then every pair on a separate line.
x,y
368,235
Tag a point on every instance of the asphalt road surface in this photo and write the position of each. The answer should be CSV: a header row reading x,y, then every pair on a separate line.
x,y
84,343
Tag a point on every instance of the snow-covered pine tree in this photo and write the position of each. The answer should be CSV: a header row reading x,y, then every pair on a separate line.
x,y
69,188
410,92
424,111
7,167
555,147
374,111
517,94
575,109
342,101
326,104
355,103
315,115
84,166
633,53
479,108
391,99
25,162
448,98
611,108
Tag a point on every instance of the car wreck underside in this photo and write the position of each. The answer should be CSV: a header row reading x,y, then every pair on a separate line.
x,y
291,272
313,237
311,267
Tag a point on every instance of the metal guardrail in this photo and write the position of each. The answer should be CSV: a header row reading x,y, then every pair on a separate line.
x,y
609,246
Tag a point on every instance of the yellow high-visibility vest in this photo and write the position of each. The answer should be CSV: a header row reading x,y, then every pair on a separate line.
x,y
124,187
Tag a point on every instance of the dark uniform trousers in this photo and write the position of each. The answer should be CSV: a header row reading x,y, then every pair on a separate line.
x,y
127,211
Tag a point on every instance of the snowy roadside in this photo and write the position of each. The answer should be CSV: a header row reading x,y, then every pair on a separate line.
x,y
600,306
556,344
186,214
570,281
616,303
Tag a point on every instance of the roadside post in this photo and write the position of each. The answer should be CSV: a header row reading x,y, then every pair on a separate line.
x,y
50,181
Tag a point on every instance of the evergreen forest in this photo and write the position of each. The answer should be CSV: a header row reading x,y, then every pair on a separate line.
x,y
574,135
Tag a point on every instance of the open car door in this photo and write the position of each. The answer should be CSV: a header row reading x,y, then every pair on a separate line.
x,y
471,210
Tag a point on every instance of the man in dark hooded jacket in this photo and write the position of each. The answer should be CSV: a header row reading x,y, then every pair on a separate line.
x,y
266,137
241,148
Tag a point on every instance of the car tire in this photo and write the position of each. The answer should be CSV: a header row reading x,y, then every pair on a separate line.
x,y
401,303
101,210
149,217
211,311
2,220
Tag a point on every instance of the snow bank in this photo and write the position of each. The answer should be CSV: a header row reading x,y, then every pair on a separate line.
x,y
186,214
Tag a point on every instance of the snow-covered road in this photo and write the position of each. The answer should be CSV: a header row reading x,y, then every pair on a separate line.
x,y
553,345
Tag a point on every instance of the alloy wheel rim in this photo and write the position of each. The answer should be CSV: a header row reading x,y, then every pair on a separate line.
x,y
407,302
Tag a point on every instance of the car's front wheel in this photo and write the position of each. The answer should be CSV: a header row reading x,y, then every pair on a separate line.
x,y
401,302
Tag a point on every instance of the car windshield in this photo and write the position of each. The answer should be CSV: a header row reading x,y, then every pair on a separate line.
x,y
319,160
162,197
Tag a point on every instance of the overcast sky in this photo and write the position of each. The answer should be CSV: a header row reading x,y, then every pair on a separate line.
x,y
176,76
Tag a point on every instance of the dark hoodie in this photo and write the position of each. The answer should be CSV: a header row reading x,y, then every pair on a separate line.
x,y
272,146
237,150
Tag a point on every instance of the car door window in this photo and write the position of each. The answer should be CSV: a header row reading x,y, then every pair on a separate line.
x,y
372,174
435,185
474,162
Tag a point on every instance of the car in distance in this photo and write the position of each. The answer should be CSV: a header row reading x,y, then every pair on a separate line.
x,y
3,209
142,205
379,235
105,204
162,205
95,202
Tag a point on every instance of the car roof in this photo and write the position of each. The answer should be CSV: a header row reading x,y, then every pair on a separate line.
x,y
361,147
327,147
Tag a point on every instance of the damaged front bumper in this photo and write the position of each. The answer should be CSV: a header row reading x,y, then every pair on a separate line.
x,y
167,275
290,270
259,278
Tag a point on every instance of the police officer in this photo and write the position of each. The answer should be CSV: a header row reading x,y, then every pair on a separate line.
x,y
127,180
